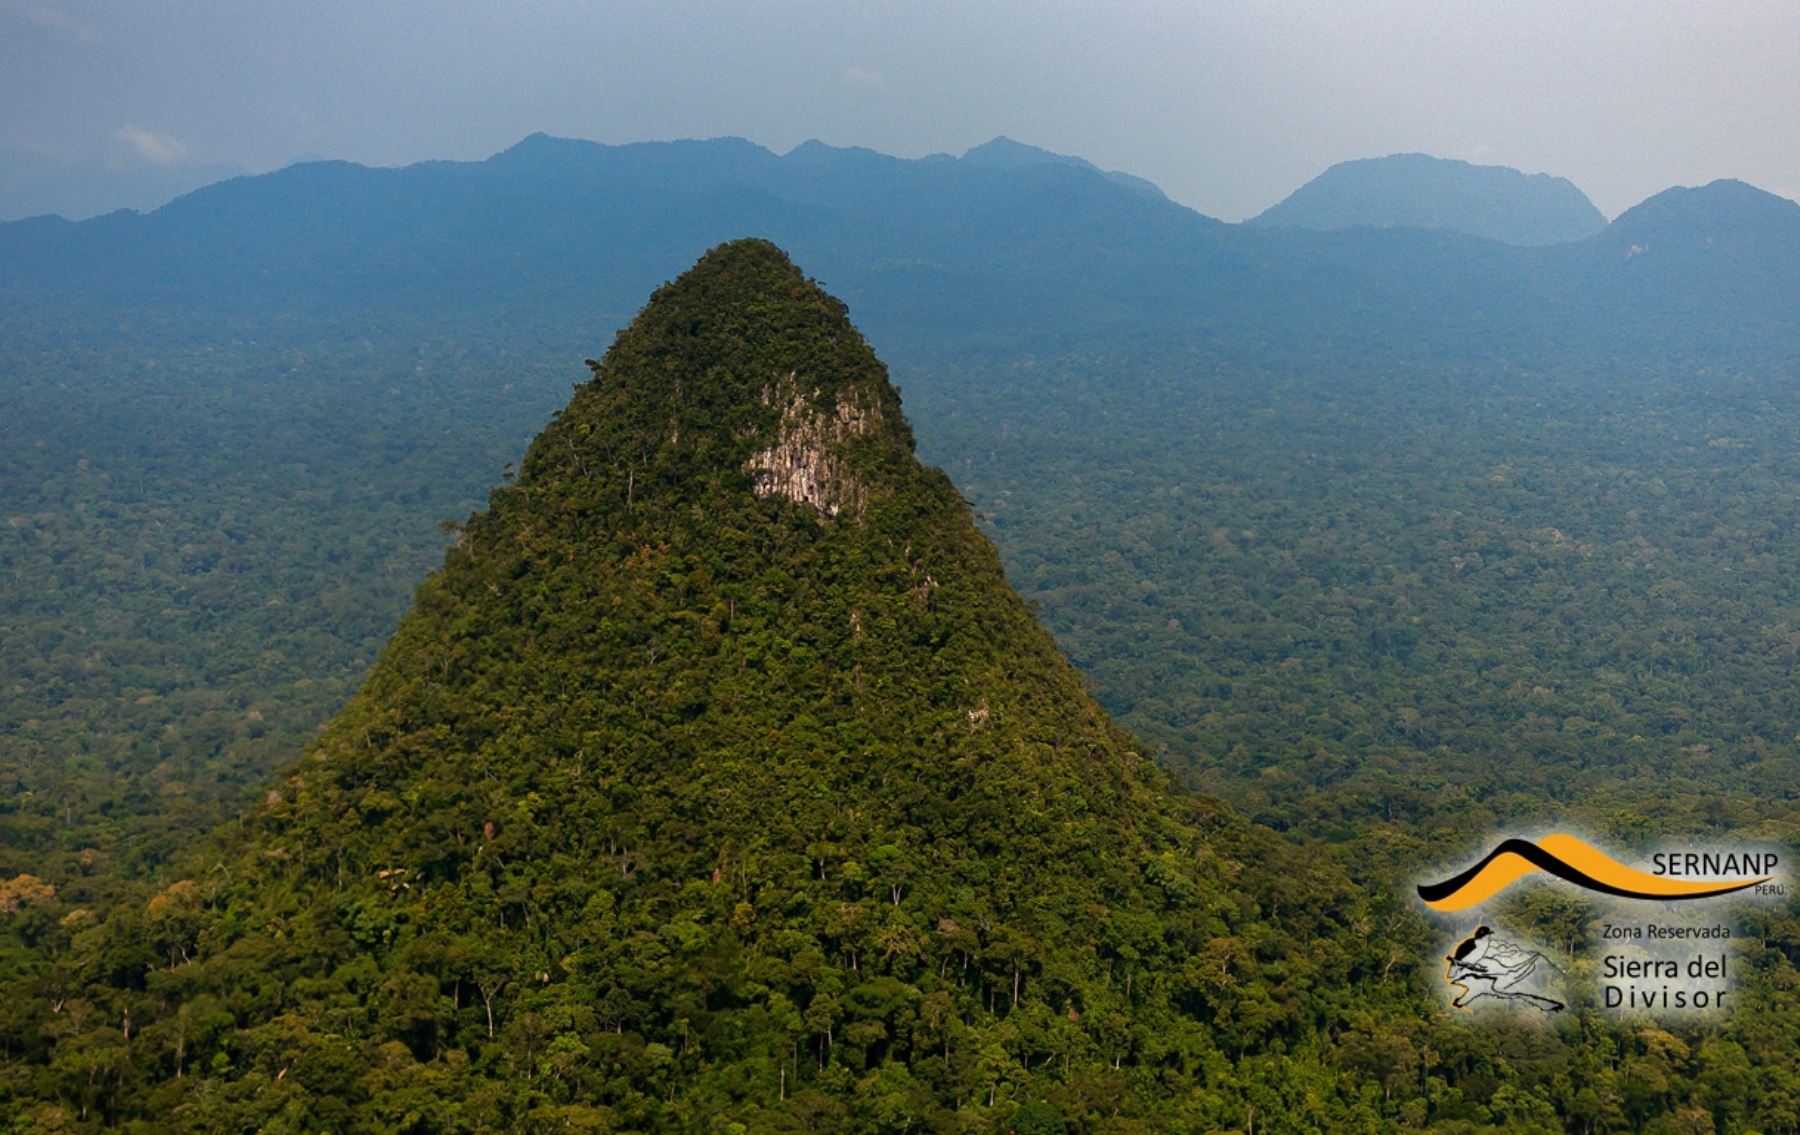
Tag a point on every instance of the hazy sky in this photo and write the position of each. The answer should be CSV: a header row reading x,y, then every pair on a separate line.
x,y
1227,106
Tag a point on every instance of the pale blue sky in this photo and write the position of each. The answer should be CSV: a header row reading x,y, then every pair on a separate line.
x,y
1228,106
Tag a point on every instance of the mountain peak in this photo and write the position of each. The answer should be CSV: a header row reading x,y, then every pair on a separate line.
x,y
1002,152
1420,191
540,144
1725,205
741,370
813,149
747,261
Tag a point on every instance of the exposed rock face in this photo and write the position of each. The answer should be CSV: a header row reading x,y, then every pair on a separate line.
x,y
807,462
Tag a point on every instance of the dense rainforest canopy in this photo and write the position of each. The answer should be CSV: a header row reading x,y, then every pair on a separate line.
x,y
718,775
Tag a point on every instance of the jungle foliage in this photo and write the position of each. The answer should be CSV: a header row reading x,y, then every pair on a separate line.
x,y
674,804
631,777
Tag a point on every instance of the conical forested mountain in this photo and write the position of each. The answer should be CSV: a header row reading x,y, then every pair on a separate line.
x,y
718,782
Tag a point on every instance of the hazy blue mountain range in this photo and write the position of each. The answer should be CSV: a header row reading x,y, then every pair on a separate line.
x,y
1423,192
1004,153
1692,255
1006,240
33,184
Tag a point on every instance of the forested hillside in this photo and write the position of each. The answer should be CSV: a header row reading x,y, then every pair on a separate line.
x,y
717,776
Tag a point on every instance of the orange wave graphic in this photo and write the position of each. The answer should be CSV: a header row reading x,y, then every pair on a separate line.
x,y
1574,861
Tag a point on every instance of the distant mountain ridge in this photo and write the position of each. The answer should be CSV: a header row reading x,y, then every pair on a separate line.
x,y
1007,240
1725,253
1723,208
34,184
1420,191
1004,153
